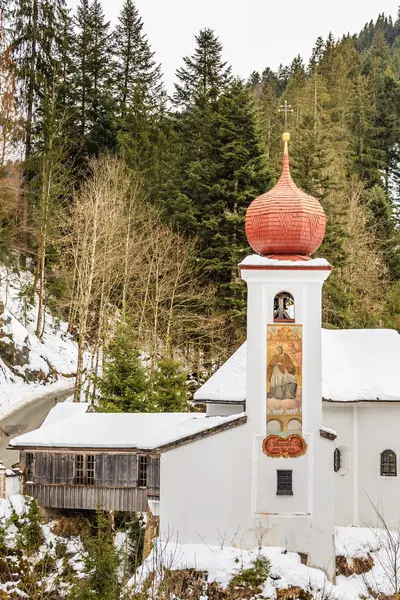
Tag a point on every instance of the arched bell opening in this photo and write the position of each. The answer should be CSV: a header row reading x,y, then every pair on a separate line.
x,y
284,308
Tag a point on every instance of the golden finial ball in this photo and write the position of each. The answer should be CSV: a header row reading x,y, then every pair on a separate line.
x,y
285,136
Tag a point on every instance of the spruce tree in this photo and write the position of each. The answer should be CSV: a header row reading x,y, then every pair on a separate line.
x,y
137,75
123,386
139,94
101,564
169,386
92,80
204,74
221,166
241,176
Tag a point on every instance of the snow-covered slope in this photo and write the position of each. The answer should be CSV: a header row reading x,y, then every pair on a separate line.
x,y
28,366
366,565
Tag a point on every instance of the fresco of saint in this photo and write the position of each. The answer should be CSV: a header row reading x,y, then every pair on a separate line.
x,y
284,378
281,375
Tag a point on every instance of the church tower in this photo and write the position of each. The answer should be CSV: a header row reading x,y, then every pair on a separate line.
x,y
292,473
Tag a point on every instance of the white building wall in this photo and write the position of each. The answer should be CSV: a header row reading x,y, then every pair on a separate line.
x,y
205,489
340,418
378,430
224,410
366,429
13,485
305,521
224,484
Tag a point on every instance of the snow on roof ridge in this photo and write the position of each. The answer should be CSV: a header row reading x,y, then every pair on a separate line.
x,y
255,260
357,365
122,430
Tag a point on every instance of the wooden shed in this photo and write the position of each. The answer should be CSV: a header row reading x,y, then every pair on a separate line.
x,y
90,479
85,460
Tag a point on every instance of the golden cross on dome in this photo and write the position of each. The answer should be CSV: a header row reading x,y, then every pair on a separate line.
x,y
286,109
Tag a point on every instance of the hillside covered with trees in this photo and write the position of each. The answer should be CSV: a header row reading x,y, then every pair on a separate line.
x,y
128,206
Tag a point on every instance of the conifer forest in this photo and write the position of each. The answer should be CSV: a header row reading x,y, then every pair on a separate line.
x,y
127,204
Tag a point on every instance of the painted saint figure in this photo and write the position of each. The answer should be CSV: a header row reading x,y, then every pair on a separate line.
x,y
281,375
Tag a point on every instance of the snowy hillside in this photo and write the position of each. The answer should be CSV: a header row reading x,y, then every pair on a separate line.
x,y
27,365
366,568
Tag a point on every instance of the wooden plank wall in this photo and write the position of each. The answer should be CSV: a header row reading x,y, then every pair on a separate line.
x,y
88,497
115,486
115,469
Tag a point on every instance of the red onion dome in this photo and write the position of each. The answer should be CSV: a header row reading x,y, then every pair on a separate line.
x,y
285,222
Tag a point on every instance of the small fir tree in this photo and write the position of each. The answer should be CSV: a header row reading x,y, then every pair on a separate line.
x,y
135,541
124,384
169,387
30,536
101,564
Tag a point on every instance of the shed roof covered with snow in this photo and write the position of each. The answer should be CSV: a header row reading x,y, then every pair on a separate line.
x,y
65,410
144,431
357,364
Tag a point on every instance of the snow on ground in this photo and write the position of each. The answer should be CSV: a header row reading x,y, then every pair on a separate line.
x,y
222,564
42,362
16,503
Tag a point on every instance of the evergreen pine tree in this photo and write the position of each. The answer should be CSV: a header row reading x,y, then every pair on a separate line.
x,y
92,80
169,386
135,534
241,176
101,564
221,166
123,386
139,93
366,159
205,74
387,233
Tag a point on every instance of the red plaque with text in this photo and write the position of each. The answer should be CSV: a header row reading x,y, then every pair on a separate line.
x,y
292,446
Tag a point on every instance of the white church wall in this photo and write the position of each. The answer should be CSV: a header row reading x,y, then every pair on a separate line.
x,y
205,489
224,484
378,430
206,497
340,418
366,429
266,499
224,410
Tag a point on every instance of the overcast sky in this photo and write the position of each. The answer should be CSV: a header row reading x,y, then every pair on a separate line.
x,y
254,33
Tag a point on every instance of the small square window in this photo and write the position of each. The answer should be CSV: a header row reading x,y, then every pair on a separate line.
x,y
284,483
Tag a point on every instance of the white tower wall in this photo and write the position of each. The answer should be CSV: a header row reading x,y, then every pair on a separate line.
x,y
225,484
303,522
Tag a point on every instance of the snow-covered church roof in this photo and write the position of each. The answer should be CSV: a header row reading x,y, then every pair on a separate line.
x,y
357,364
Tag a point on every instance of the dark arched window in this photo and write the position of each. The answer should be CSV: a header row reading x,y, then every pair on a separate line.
x,y
337,460
284,307
388,463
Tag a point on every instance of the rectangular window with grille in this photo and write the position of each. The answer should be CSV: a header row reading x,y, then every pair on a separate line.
x,y
84,469
29,466
142,470
79,469
90,469
284,483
